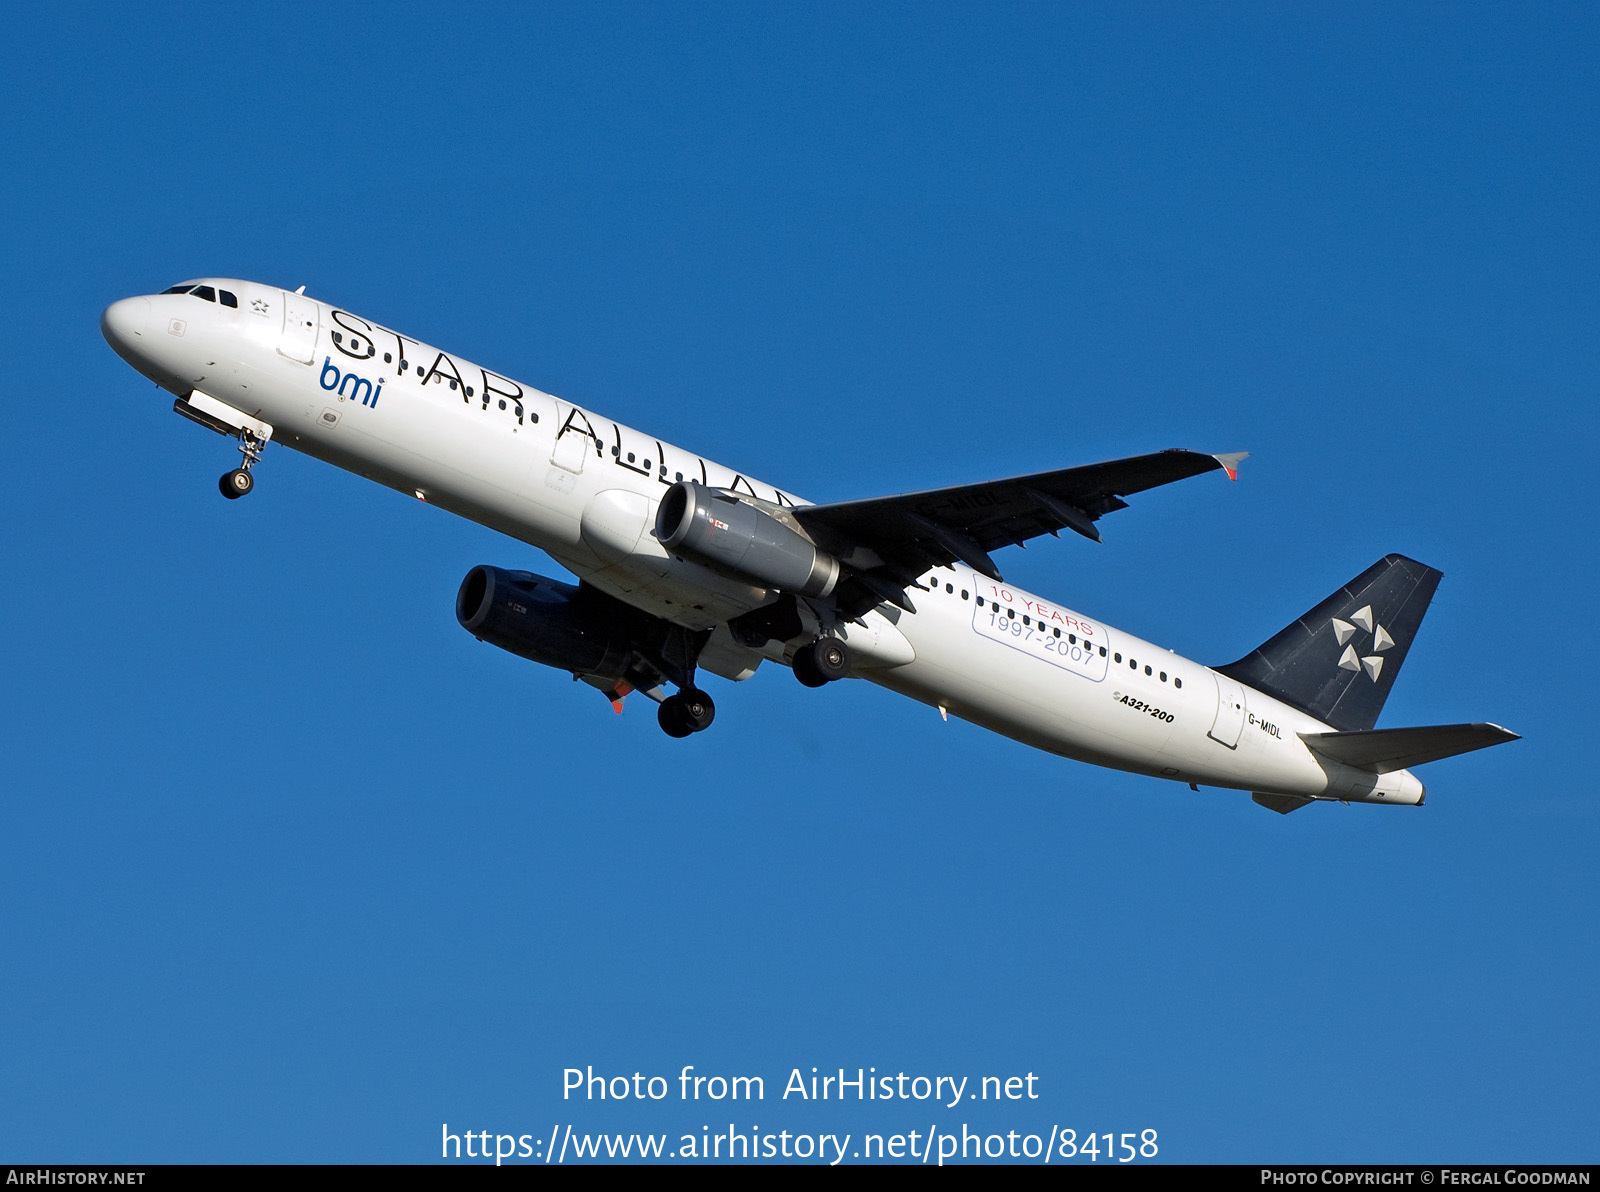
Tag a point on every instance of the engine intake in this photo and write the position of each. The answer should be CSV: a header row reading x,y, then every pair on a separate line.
x,y
743,540
543,620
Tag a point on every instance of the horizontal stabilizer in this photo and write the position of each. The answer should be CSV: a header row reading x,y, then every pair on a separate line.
x,y
1282,804
1382,750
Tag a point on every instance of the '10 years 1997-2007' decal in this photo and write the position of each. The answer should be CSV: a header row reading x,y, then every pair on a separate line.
x,y
1058,637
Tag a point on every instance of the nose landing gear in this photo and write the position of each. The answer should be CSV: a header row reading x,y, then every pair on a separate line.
x,y
238,482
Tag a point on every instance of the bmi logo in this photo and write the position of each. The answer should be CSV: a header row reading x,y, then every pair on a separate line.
x,y
358,386
1381,641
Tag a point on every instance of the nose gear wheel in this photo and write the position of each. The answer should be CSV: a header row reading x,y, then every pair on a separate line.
x,y
235,484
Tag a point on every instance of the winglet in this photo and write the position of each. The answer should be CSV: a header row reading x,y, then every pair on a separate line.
x,y
1230,462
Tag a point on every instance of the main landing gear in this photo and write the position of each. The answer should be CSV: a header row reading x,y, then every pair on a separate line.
x,y
822,662
238,482
689,711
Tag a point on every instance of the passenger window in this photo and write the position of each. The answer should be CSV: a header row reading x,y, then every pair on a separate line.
x,y
337,338
1132,665
1119,659
1103,653
1147,670
1025,620
963,593
1163,676
950,588
228,299
1058,633
1012,613
205,292
1177,682
388,358
1072,639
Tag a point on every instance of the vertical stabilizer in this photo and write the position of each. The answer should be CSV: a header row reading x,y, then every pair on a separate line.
x,y
1339,661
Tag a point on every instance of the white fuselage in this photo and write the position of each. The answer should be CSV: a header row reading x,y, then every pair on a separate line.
x,y
584,489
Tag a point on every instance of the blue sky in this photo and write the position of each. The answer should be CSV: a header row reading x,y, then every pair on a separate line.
x,y
293,869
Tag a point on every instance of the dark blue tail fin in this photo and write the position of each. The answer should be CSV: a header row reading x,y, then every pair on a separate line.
x,y
1339,661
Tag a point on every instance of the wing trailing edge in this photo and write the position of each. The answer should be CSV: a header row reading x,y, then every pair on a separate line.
x,y
905,535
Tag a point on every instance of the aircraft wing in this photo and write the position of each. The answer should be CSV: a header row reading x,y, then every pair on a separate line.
x,y
889,541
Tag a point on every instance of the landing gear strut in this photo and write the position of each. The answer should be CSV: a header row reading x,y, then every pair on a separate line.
x,y
823,661
238,482
689,711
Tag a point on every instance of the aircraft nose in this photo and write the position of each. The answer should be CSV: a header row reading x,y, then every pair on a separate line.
x,y
124,323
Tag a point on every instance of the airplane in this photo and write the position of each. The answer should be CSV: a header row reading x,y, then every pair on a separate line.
x,y
685,565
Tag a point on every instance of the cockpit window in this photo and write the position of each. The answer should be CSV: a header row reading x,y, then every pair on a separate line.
x,y
205,292
179,289
228,299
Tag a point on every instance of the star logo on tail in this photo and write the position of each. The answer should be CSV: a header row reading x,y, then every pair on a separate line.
x,y
1362,621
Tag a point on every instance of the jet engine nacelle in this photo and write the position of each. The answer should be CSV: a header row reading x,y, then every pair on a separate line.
x,y
542,620
737,537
